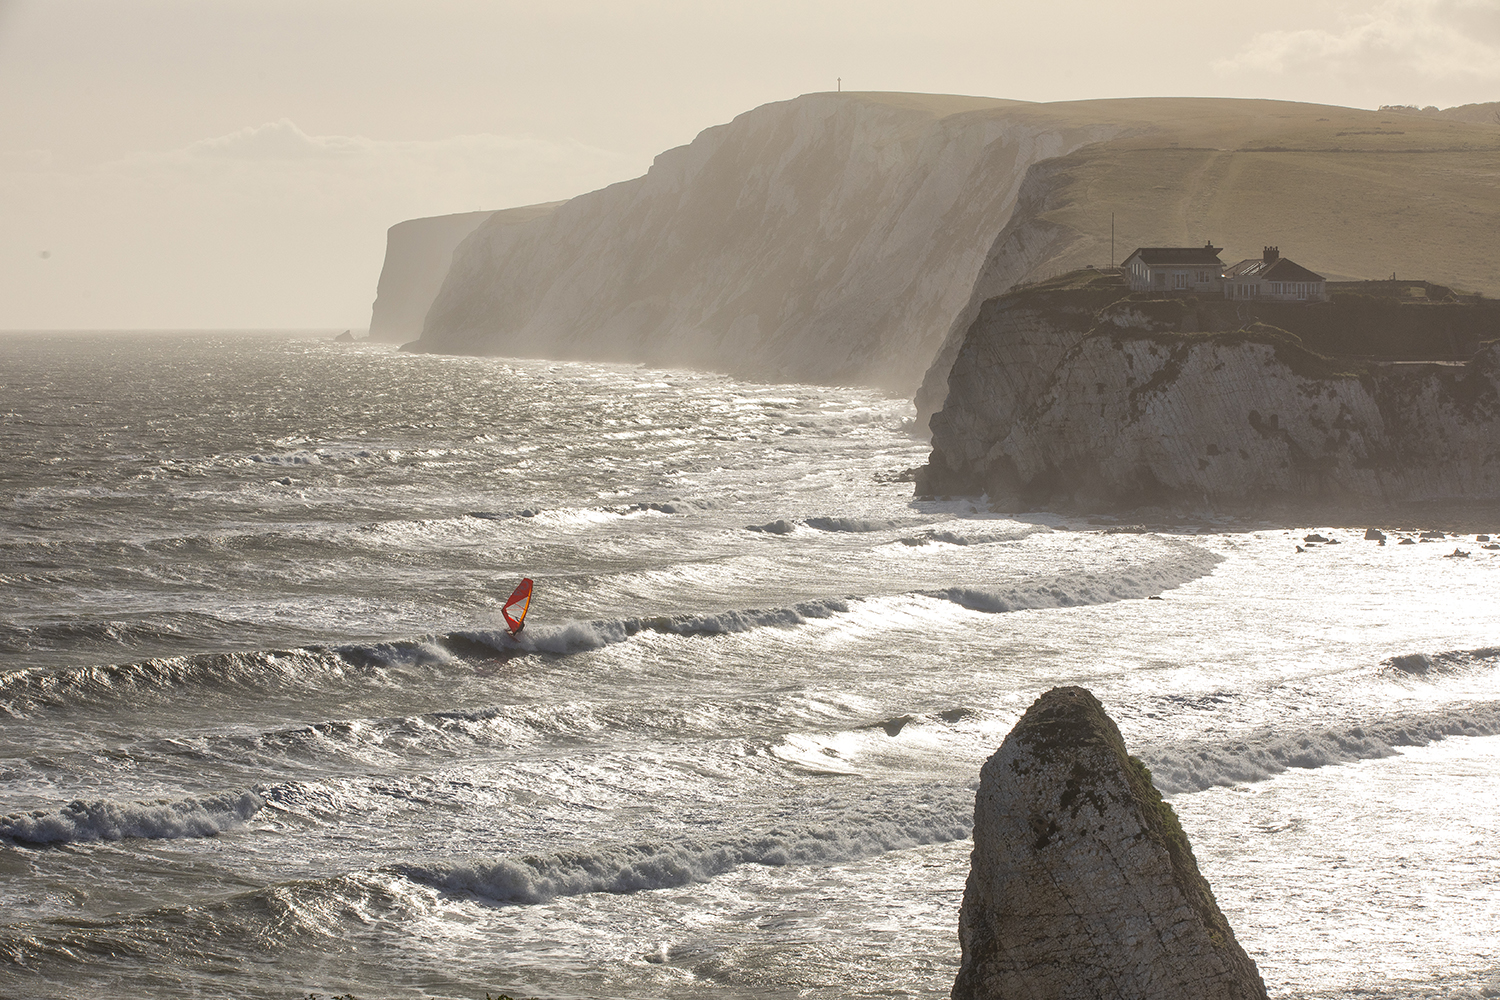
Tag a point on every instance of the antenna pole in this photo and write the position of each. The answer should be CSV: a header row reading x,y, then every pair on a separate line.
x,y
1111,241
841,85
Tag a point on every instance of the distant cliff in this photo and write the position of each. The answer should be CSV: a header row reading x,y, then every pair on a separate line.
x,y
829,238
835,237
418,253
1075,391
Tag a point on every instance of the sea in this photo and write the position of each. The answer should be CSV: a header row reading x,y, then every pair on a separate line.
x,y
263,733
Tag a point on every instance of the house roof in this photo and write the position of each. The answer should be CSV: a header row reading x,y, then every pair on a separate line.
x,y
1204,256
1286,270
1280,269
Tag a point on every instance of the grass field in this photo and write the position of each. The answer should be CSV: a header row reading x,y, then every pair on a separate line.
x,y
1351,194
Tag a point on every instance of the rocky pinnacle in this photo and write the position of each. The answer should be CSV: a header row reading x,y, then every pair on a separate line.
x,y
1083,884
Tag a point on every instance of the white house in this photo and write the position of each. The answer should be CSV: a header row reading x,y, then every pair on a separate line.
x,y
1174,269
1272,276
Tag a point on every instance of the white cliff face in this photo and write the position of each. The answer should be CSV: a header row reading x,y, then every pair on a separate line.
x,y
417,255
1083,884
1040,406
831,238
1028,239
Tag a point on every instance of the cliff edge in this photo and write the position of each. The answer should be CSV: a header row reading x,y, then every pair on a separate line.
x,y
418,253
830,238
1083,884
1077,392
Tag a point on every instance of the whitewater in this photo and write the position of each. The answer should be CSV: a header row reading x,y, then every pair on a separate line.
x,y
263,733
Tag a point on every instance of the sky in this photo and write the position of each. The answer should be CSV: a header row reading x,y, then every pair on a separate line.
x,y
234,164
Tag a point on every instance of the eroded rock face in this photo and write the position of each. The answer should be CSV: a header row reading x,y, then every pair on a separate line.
x,y
1083,884
1049,404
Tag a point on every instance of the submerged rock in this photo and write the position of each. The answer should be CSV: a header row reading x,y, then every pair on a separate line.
x,y
1374,535
1083,884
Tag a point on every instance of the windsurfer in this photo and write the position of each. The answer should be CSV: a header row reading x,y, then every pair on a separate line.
x,y
519,598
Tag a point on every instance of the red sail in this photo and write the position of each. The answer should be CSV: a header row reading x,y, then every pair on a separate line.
x,y
520,596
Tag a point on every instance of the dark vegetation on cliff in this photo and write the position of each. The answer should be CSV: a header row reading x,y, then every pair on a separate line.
x,y
1377,320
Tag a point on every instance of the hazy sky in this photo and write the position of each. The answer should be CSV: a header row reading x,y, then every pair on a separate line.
x,y
235,163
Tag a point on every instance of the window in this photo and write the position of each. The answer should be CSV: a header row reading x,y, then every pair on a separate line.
x,y
1179,280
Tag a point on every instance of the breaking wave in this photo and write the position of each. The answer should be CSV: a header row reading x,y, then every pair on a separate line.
x,y
852,525
1450,662
1194,766
625,868
1068,590
25,690
943,537
101,819
576,637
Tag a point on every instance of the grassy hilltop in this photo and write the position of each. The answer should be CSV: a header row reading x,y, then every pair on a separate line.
x,y
1351,194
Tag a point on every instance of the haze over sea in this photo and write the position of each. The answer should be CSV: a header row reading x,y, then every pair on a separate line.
x,y
262,733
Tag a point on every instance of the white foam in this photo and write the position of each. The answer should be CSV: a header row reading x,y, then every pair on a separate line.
x,y
1190,767
625,868
577,636
101,819
1077,588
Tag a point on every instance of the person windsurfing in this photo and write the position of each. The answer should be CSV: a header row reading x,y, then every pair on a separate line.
x,y
520,597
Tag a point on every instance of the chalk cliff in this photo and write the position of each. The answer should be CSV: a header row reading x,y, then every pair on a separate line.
x,y
1083,885
418,253
830,238
835,237
1075,391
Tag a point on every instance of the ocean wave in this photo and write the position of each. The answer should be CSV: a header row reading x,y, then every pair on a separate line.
x,y
1077,589
580,636
944,537
121,631
626,868
857,525
781,526
22,691
1449,662
1194,766
851,525
101,819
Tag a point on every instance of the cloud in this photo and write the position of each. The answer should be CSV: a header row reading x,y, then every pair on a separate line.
x,y
1435,40
281,140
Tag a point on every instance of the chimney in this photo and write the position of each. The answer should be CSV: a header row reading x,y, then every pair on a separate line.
x,y
1271,254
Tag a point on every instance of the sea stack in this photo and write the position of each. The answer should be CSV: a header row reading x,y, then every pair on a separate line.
x,y
1083,884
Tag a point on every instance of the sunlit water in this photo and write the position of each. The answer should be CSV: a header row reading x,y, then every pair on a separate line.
x,y
261,733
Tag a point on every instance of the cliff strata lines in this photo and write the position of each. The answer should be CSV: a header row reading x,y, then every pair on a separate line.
x,y
1055,397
